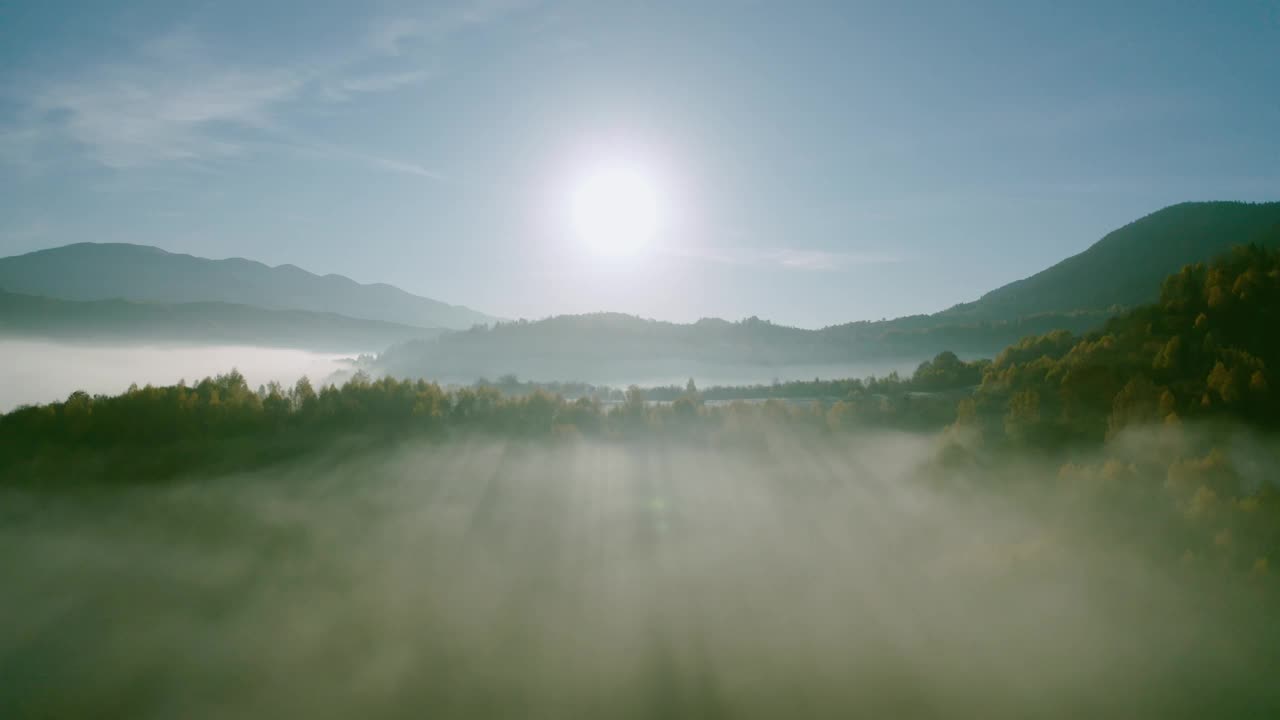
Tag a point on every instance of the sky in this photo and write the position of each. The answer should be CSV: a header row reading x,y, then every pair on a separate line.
x,y
813,163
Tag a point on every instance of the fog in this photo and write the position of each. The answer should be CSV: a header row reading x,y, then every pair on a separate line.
x,y
40,371
797,577
37,371
709,375
641,371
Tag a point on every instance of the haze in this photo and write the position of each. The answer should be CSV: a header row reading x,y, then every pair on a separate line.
x,y
40,371
496,579
818,163
576,359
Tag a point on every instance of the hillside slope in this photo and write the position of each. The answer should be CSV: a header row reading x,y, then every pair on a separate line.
x,y
1124,269
1206,349
91,271
1126,266
205,323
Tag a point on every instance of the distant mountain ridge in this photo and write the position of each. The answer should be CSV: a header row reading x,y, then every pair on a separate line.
x,y
1125,268
604,347
199,323
105,271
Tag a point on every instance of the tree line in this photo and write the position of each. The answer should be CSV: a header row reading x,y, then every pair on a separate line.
x,y
1200,352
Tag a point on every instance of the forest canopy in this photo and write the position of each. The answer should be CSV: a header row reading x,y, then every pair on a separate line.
x,y
1195,354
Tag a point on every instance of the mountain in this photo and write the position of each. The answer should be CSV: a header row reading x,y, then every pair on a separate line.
x,y
613,348
1204,350
1125,267
205,323
93,271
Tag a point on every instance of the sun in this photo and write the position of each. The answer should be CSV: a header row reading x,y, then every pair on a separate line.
x,y
616,210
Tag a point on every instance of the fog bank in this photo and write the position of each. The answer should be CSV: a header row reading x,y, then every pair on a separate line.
x,y
37,371
795,578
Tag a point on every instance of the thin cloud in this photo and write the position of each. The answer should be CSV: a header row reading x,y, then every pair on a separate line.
x,y
389,35
132,115
343,89
174,102
395,35
377,161
301,146
789,258
168,103
384,82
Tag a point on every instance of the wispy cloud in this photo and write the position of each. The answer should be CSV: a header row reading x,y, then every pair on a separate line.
x,y
393,35
175,100
371,160
390,35
130,115
790,258
384,82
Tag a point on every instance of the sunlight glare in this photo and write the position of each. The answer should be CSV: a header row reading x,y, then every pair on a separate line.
x,y
616,210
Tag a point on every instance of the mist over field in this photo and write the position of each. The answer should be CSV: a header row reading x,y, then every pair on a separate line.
x,y
793,576
1081,526
39,371
530,359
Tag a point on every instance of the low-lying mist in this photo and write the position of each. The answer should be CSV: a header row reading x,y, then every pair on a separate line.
x,y
40,371
793,577
678,372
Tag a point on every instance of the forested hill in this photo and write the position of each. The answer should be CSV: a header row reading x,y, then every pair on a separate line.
x,y
1207,348
1122,270
1125,268
1197,354
92,271
117,321
1161,427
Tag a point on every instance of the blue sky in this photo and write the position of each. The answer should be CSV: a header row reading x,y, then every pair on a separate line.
x,y
818,162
